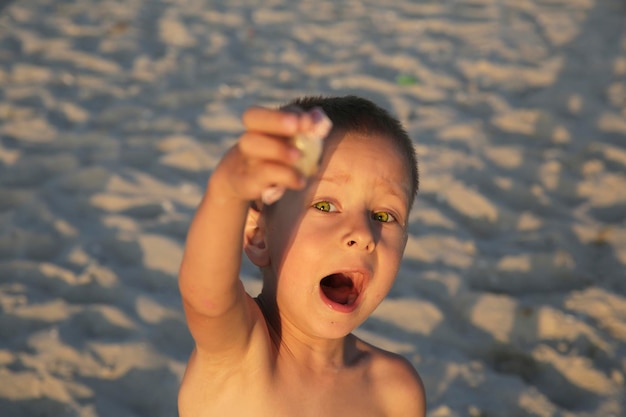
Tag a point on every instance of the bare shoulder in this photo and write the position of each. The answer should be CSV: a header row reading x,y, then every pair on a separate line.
x,y
396,382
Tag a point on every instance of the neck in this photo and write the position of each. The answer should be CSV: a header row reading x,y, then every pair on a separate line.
x,y
314,354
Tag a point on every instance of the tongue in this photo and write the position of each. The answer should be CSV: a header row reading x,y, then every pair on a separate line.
x,y
340,289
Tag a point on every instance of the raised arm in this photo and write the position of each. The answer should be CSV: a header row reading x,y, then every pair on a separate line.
x,y
219,312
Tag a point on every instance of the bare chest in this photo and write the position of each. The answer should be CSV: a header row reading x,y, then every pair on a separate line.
x,y
326,398
285,395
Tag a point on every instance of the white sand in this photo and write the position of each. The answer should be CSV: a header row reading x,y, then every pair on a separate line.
x,y
512,299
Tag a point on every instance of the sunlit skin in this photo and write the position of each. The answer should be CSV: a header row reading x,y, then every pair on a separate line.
x,y
291,352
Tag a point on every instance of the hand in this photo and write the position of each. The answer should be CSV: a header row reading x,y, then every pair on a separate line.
x,y
264,156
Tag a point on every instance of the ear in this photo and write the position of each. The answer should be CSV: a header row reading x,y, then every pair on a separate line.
x,y
254,237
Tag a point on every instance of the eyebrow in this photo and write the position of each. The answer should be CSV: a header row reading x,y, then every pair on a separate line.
x,y
403,193
394,188
337,178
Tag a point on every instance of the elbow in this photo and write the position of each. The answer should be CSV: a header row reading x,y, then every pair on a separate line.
x,y
209,302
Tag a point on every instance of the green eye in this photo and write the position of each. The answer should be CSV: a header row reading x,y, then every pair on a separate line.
x,y
383,216
323,206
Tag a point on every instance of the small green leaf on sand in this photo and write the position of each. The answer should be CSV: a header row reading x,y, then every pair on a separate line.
x,y
404,79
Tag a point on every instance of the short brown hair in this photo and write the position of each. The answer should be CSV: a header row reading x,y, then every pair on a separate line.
x,y
359,115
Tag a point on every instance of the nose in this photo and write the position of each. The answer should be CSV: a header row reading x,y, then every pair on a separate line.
x,y
361,233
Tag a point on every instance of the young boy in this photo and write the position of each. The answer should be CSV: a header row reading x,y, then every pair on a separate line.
x,y
329,250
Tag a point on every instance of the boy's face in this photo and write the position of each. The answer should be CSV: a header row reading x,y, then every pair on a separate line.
x,y
335,247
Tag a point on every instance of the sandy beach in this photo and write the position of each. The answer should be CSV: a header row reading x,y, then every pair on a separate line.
x,y
511,300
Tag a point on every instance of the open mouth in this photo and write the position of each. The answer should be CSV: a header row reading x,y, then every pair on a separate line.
x,y
340,289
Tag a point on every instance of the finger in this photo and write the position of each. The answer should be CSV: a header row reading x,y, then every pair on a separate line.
x,y
305,122
305,119
275,122
272,194
262,146
276,174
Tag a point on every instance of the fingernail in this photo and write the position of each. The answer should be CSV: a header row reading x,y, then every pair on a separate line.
x,y
272,194
316,114
294,154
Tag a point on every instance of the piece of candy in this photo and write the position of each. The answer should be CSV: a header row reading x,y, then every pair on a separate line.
x,y
311,144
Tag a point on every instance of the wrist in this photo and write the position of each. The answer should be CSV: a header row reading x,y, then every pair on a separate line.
x,y
220,194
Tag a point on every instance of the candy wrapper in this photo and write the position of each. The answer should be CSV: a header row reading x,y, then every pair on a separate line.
x,y
311,144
